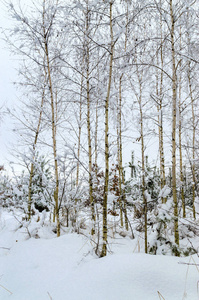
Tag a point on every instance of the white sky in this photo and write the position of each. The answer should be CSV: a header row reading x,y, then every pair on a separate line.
x,y
7,91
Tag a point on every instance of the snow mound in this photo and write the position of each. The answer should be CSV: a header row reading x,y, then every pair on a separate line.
x,y
66,268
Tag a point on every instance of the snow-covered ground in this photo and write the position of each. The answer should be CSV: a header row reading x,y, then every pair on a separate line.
x,y
66,268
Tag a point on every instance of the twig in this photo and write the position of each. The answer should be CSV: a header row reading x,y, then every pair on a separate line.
x,y
189,264
5,248
196,265
18,220
49,296
6,289
24,226
160,295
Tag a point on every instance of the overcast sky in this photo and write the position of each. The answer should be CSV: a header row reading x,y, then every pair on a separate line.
x,y
7,91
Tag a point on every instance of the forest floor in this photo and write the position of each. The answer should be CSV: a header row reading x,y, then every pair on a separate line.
x,y
66,268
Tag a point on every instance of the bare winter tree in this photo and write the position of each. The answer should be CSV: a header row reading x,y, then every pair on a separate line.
x,y
36,43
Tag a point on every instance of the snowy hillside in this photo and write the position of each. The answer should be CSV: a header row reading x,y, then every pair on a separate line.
x,y
66,268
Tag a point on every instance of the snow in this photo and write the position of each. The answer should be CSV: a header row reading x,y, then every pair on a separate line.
x,y
164,192
67,268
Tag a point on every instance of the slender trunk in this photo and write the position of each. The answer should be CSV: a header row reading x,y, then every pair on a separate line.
x,y
96,134
122,191
33,158
96,121
159,93
123,202
104,247
160,131
79,145
79,133
174,100
89,122
143,177
119,164
193,140
180,136
180,153
193,120
139,98
53,124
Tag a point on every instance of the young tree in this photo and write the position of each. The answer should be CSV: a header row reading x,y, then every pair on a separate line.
x,y
111,55
36,33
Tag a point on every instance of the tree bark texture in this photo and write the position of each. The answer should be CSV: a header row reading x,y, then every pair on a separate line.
x,y
105,229
174,103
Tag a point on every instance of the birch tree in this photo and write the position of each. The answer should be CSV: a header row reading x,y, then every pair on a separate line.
x,y
37,35
111,55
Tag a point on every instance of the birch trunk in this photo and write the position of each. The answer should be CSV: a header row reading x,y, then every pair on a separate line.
x,y
96,121
123,202
180,154
180,135
53,123
89,122
193,120
193,140
33,158
174,100
96,134
139,98
79,132
119,163
143,178
121,171
104,247
159,92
